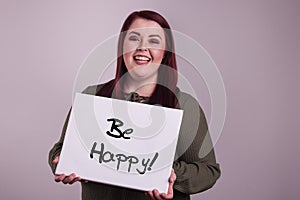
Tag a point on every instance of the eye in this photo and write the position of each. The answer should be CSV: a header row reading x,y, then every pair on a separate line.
x,y
154,41
133,38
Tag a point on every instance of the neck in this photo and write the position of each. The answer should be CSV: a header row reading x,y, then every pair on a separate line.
x,y
144,87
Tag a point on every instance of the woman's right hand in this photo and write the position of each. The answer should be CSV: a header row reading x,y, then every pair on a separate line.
x,y
70,179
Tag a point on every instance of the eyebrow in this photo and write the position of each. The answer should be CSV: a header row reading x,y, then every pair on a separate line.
x,y
137,33
155,36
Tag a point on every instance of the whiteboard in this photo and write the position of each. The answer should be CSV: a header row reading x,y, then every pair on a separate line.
x,y
120,142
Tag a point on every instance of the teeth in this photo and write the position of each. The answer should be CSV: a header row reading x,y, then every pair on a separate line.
x,y
142,58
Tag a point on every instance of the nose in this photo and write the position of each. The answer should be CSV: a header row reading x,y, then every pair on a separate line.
x,y
142,46
142,49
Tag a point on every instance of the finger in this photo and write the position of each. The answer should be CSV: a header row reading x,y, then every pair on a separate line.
x,y
56,159
75,180
69,178
166,196
170,194
157,194
150,194
172,177
59,177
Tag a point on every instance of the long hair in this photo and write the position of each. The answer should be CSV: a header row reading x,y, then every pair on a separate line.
x,y
163,93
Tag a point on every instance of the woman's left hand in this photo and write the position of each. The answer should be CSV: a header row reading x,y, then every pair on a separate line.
x,y
156,195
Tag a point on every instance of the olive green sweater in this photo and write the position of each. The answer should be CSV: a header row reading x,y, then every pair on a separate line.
x,y
195,165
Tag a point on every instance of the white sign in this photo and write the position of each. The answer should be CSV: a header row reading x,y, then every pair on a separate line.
x,y
120,143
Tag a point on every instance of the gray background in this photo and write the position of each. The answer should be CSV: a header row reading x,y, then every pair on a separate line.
x,y
255,44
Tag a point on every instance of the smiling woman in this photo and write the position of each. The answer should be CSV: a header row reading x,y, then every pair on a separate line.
x,y
147,73
143,51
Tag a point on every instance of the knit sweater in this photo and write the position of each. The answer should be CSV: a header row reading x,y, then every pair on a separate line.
x,y
195,170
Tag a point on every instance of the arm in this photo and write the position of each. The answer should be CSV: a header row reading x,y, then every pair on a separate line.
x,y
196,168
56,149
196,176
53,158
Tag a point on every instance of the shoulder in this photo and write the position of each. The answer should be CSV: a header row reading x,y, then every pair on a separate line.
x,y
189,104
96,89
185,99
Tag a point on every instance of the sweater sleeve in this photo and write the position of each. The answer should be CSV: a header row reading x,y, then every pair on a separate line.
x,y
196,168
56,149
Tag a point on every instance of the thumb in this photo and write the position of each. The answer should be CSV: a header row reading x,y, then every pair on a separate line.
x,y
56,159
173,177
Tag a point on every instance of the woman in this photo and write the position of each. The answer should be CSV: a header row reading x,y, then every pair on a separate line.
x,y
147,73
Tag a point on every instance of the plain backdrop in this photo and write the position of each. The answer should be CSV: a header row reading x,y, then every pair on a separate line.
x,y
255,45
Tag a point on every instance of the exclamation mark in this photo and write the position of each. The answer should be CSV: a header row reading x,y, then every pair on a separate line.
x,y
152,162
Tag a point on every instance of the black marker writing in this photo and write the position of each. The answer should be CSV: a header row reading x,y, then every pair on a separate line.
x,y
105,156
145,164
116,123
101,153
123,158
152,162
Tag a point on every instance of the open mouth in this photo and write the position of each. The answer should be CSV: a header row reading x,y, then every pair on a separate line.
x,y
141,59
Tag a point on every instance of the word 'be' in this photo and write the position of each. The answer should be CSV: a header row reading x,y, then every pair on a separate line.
x,y
116,123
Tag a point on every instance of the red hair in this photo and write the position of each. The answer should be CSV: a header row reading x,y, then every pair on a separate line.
x,y
163,93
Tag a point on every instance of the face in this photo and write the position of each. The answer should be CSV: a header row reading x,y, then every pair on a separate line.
x,y
143,49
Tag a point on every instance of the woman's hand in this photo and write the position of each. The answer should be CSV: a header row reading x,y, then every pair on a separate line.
x,y
72,178
154,194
